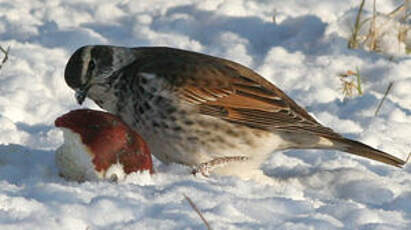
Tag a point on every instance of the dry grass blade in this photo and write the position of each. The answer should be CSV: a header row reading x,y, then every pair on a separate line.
x,y
274,18
358,76
347,88
6,55
372,34
383,98
400,9
404,28
348,84
197,211
353,42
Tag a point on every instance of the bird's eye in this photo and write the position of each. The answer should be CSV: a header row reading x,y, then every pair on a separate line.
x,y
91,66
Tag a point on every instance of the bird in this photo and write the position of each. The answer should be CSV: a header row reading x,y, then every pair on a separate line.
x,y
209,113
99,145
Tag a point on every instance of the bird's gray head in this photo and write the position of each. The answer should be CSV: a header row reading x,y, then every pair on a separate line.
x,y
91,67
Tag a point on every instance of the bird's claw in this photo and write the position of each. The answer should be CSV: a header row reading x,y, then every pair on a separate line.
x,y
207,167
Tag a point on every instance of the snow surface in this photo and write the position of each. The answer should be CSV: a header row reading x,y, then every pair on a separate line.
x,y
303,53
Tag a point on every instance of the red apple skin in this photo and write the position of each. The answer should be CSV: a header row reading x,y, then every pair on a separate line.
x,y
109,140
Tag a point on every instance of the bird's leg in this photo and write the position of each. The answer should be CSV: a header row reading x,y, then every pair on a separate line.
x,y
206,167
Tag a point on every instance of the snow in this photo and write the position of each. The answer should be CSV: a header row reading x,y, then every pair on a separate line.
x,y
303,52
81,158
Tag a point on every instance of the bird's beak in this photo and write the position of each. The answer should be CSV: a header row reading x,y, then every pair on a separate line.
x,y
81,94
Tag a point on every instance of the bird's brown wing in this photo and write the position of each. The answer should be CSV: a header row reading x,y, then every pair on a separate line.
x,y
245,102
230,91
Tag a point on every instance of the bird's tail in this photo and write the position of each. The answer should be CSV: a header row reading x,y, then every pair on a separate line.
x,y
360,149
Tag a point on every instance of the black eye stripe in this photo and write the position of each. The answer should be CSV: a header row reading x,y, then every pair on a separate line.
x,y
103,54
91,66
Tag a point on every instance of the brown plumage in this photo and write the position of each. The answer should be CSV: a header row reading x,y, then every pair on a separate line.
x,y
200,107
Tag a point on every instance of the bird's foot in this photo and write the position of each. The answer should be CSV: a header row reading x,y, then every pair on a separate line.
x,y
207,167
